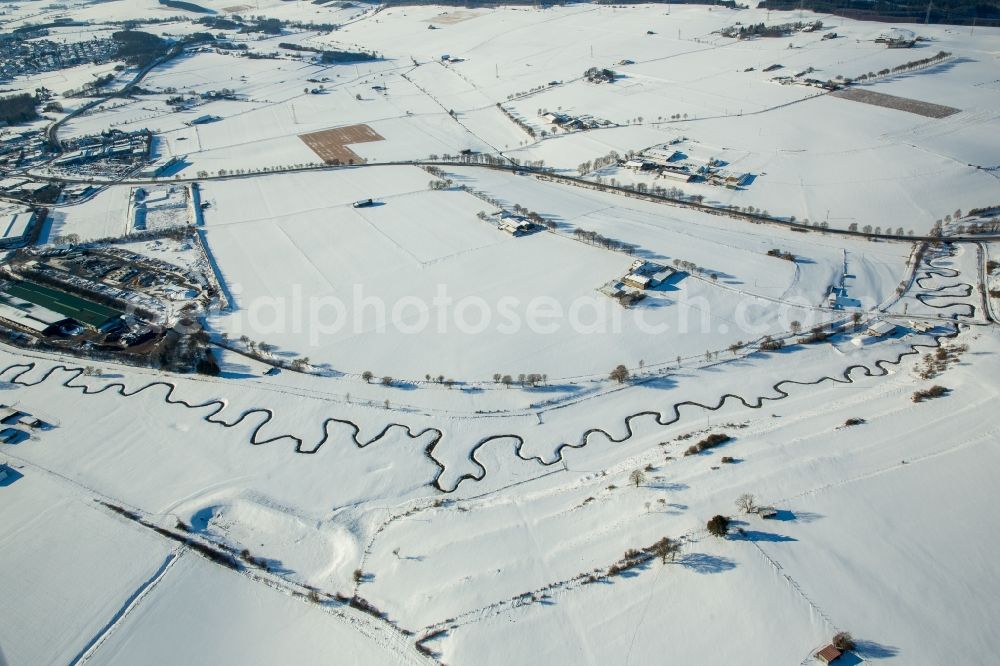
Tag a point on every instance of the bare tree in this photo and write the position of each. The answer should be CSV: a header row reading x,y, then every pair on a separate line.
x,y
620,374
843,640
637,478
746,503
367,375
666,548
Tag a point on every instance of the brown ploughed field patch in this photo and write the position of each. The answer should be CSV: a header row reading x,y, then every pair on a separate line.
x,y
925,109
331,145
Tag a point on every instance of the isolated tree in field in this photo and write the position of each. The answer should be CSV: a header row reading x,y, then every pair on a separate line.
x,y
718,526
796,327
620,374
666,548
637,478
746,503
843,640
367,376
506,380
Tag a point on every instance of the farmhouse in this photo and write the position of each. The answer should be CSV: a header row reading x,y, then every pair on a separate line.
x,y
516,225
637,281
880,329
662,158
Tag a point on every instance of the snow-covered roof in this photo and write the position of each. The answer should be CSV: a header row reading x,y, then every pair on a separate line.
x,y
880,328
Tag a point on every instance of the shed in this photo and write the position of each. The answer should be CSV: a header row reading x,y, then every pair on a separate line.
x,y
828,654
921,326
880,329
767,512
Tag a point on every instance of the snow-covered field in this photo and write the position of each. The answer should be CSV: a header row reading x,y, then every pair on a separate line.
x,y
392,497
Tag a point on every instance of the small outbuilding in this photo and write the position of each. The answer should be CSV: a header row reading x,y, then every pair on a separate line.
x,y
767,512
828,655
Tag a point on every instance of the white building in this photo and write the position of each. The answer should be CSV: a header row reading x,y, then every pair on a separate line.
x,y
637,281
28,315
680,176
880,329
516,226
15,228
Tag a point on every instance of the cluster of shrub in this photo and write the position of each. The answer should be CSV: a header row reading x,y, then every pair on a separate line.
x,y
139,48
770,344
600,75
710,442
935,391
762,30
531,379
786,255
328,57
959,12
185,6
936,363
